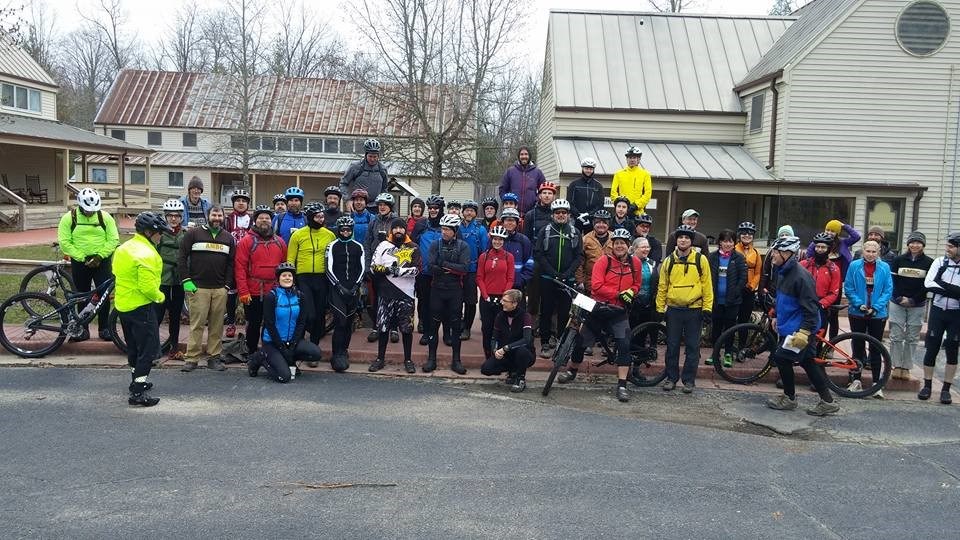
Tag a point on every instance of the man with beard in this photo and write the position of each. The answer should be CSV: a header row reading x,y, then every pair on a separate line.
x,y
909,303
279,204
377,232
534,222
519,246
396,263
238,224
307,251
426,232
333,198
258,255
345,271
206,265
522,178
488,208
558,252
596,244
292,219
367,174
585,195
473,233
448,259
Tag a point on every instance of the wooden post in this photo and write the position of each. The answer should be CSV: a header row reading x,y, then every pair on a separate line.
x,y
253,187
83,168
66,175
147,186
121,173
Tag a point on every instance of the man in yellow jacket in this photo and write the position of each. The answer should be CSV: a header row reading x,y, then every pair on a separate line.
x,y
307,251
685,296
137,267
633,182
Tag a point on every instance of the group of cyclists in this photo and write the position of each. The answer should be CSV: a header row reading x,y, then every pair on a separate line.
x,y
514,256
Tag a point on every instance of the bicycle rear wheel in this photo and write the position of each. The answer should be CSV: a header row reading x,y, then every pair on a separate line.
x,y
166,342
561,356
32,324
52,279
750,348
648,343
831,356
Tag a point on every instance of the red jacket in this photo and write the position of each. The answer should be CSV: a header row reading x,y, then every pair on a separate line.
x,y
256,265
495,272
611,277
827,278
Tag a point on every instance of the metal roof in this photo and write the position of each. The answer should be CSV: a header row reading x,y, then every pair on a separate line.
x,y
206,101
664,160
815,18
655,61
63,135
259,163
16,62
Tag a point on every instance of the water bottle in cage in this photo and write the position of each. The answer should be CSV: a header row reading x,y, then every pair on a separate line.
x,y
88,309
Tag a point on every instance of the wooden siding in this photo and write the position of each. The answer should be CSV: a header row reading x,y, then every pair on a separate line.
x,y
758,143
639,126
48,105
861,109
547,159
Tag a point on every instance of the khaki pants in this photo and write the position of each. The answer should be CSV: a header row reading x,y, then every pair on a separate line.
x,y
207,307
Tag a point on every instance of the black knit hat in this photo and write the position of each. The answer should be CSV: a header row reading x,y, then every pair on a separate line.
x,y
398,222
195,182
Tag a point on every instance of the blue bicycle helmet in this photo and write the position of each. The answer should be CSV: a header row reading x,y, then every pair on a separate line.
x,y
511,197
293,192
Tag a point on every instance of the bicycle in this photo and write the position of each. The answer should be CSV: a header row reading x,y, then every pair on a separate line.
x,y
54,279
750,347
113,322
647,368
31,318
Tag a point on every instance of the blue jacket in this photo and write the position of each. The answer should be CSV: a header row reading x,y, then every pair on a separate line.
x,y
797,303
204,205
855,287
283,320
475,235
361,222
521,248
284,224
427,236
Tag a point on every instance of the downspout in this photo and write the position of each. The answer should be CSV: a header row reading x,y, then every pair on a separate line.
x,y
953,176
915,221
773,123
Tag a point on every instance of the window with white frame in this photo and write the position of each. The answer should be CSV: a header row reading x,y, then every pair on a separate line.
x,y
175,179
756,112
154,138
118,134
98,176
20,97
190,140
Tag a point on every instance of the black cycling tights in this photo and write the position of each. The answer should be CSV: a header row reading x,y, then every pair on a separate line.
x,y
785,359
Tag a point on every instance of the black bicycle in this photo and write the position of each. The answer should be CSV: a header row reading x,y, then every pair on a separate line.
x,y
647,368
120,340
35,324
54,279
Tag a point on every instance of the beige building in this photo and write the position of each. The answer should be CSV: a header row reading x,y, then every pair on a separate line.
x,y
848,110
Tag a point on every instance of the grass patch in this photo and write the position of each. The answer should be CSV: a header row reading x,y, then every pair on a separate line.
x,y
39,252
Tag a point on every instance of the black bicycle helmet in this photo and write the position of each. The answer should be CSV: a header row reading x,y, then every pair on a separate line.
x,y
313,209
150,222
602,214
262,209
333,190
286,267
279,197
435,200
747,226
490,201
621,199
645,218
345,222
685,230
823,237
470,203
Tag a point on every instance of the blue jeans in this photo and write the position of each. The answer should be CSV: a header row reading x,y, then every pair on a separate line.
x,y
683,323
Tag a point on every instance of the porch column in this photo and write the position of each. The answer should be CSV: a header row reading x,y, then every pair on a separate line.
x,y
66,175
147,186
121,173
253,187
83,168
298,180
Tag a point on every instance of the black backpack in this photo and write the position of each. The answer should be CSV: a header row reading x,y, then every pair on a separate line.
x,y
73,219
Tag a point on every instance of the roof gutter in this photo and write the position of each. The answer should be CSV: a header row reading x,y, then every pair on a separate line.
x,y
773,124
766,78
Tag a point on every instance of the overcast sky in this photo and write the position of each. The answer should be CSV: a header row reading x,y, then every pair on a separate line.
x,y
148,17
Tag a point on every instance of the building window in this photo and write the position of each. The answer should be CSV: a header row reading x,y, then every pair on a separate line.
x,y
20,97
118,134
348,146
175,179
253,143
190,140
236,142
98,176
756,113
268,143
138,177
154,138
922,28
330,146
888,215
299,145
316,145
284,144
806,214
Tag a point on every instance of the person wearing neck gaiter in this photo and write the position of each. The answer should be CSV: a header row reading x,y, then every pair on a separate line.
x,y
307,251
728,268
869,287
258,255
395,265
205,264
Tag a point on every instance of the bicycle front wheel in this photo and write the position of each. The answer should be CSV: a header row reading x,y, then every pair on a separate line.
x,y
120,340
648,343
836,357
561,356
52,279
747,351
32,324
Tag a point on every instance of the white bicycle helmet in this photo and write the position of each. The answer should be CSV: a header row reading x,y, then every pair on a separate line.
x,y
172,206
787,243
499,232
89,200
385,198
559,204
450,220
588,162
622,234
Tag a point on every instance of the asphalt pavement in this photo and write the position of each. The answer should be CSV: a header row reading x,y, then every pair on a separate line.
x,y
353,456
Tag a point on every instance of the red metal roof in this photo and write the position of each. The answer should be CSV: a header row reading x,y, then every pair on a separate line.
x,y
205,101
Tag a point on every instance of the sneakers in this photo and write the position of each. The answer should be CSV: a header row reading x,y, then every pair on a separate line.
x,y
924,393
823,408
373,336
519,385
708,361
376,365
458,368
588,351
107,335
782,403
668,385
142,400
623,395
215,363
425,339
688,387
189,366
547,349
313,363
566,377
945,397
409,367
878,395
465,334
430,365
727,360
231,331
394,336
855,386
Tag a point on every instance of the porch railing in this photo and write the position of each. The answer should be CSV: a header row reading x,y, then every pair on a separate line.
x,y
21,203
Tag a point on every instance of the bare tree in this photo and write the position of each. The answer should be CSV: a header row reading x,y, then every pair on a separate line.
x,y
672,6
508,117
786,7
86,74
185,49
39,35
434,61
303,46
111,21
10,20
